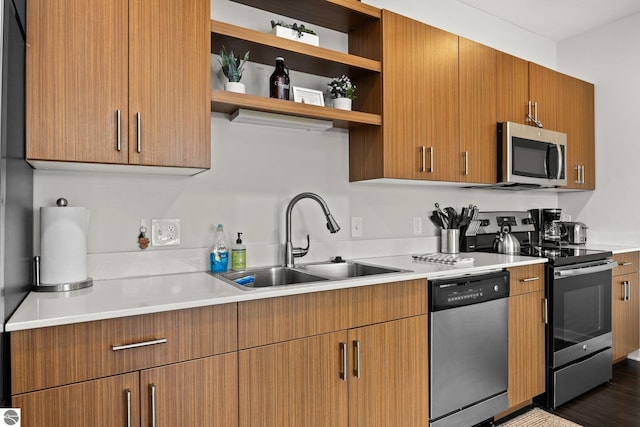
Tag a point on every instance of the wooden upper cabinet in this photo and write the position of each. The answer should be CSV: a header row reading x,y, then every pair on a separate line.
x,y
544,86
77,80
94,68
419,137
478,112
579,124
512,88
169,89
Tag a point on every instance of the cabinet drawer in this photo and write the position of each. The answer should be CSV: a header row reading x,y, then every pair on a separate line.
x,y
48,357
627,263
274,320
525,279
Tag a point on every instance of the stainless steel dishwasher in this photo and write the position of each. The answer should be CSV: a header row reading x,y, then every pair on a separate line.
x,y
468,351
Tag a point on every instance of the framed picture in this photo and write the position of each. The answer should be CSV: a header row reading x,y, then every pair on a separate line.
x,y
308,96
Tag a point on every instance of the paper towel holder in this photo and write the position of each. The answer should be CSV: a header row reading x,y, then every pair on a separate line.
x,y
59,287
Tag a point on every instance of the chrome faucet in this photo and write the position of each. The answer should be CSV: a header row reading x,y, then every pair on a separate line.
x,y
290,253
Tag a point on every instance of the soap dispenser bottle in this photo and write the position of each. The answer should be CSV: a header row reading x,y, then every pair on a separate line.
x,y
239,255
219,256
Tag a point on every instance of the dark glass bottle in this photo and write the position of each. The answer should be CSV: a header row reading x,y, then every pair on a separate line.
x,y
279,81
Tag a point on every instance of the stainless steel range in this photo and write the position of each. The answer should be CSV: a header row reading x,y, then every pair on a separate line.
x,y
578,291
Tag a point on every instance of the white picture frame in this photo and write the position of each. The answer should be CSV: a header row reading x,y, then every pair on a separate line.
x,y
308,96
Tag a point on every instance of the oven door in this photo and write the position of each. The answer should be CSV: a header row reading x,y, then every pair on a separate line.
x,y
581,310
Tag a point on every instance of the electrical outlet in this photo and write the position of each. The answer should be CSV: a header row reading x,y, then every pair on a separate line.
x,y
417,225
356,226
165,232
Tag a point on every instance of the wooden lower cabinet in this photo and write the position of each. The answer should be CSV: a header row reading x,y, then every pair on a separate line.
x,y
526,334
369,376
201,392
100,403
625,316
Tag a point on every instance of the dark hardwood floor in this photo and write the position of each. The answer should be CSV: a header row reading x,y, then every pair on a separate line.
x,y
616,404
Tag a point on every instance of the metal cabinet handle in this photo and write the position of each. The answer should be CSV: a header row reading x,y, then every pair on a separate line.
x,y
545,311
138,344
127,393
139,132
530,279
625,264
626,290
431,159
356,368
535,111
153,404
466,163
343,368
423,157
118,131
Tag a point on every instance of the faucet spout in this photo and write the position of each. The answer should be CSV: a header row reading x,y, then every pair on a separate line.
x,y
332,225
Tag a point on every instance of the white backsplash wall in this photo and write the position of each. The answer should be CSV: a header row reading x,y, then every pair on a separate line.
x,y
256,170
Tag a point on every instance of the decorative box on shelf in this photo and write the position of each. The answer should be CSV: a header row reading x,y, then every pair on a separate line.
x,y
293,34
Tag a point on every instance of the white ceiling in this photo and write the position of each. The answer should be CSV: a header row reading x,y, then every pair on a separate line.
x,y
557,19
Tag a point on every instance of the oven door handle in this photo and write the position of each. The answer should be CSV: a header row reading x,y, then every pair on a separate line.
x,y
596,268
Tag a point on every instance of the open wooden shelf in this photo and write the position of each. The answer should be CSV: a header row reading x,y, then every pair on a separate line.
x,y
339,15
264,47
228,102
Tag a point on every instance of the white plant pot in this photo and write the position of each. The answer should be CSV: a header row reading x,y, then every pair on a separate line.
x,y
342,103
291,34
235,87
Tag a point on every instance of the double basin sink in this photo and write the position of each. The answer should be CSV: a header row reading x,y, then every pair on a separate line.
x,y
307,273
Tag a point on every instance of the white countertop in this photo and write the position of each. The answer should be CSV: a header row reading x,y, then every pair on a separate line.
x,y
142,295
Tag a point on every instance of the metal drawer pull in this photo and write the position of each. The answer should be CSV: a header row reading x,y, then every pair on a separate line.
x,y
139,132
423,157
466,163
625,264
153,404
343,368
356,369
626,290
128,394
530,279
138,344
431,159
118,131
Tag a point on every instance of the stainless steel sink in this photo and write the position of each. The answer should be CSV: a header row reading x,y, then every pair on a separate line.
x,y
345,270
318,272
265,277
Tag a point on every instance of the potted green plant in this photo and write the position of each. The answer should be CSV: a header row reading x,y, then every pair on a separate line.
x,y
233,67
295,32
343,92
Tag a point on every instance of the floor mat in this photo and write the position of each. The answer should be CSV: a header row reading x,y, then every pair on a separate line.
x,y
538,418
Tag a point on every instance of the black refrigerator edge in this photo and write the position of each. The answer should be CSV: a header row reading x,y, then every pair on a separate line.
x,y
16,182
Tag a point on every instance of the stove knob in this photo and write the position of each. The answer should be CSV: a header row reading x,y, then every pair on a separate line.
x,y
496,288
584,347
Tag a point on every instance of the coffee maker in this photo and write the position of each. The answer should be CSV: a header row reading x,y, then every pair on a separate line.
x,y
547,224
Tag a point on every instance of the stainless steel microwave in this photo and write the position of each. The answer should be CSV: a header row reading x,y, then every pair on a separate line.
x,y
531,157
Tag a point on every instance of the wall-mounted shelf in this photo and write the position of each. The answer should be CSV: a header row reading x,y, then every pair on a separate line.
x,y
264,47
228,102
339,15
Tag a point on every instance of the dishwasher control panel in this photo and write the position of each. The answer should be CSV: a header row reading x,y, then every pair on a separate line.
x,y
466,290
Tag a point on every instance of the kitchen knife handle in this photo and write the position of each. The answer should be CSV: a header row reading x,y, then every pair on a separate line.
x,y
356,368
530,279
118,131
139,132
343,368
466,163
138,344
127,393
153,404
431,159
423,157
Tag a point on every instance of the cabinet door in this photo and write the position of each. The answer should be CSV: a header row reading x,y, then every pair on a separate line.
x,y
478,113
543,90
624,315
77,80
112,401
203,392
169,64
420,114
295,383
586,139
512,88
526,347
388,381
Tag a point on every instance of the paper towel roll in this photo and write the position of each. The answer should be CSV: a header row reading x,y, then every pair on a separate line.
x,y
63,245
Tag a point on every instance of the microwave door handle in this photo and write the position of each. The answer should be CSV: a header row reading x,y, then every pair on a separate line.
x,y
559,161
546,162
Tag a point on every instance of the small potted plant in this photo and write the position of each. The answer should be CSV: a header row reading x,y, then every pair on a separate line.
x,y
232,67
295,32
343,92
